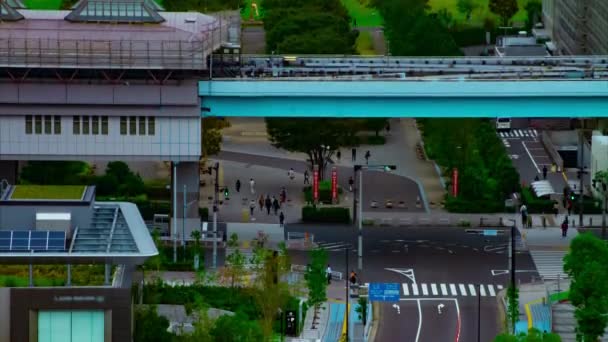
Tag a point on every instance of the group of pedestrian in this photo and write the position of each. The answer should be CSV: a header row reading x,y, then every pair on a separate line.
x,y
265,202
352,278
367,155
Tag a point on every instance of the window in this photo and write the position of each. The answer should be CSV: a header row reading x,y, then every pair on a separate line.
x,y
132,125
142,125
95,125
57,124
48,128
123,125
151,125
38,124
76,125
28,124
86,127
104,125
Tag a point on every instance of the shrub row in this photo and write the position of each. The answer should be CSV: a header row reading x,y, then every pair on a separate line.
x,y
535,204
326,215
460,205
324,192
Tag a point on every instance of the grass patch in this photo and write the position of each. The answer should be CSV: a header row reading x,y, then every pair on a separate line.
x,y
43,4
365,44
478,14
55,192
12,281
364,15
560,296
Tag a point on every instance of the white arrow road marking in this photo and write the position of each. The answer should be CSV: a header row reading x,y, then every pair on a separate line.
x,y
398,308
406,272
501,272
439,307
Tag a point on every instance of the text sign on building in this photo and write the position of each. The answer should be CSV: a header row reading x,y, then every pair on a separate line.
x,y
315,184
455,182
334,185
384,292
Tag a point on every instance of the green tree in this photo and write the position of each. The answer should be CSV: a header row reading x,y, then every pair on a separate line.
x,y
316,279
119,180
534,10
229,328
466,7
211,141
362,309
54,172
505,9
318,138
375,124
149,326
235,262
513,306
586,264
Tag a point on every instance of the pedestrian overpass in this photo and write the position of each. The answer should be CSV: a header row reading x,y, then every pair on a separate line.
x,y
411,97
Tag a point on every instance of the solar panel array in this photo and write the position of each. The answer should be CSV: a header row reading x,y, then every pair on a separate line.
x,y
32,240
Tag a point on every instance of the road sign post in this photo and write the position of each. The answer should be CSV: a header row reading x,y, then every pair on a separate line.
x,y
383,292
315,184
334,185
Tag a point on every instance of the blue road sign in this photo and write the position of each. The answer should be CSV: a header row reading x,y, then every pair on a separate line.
x,y
384,292
490,232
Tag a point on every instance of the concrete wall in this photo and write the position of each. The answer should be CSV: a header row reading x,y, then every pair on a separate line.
x,y
175,138
15,216
5,314
187,174
599,154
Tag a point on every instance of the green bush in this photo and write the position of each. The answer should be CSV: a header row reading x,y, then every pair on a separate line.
x,y
324,192
327,215
535,204
460,205
590,205
468,36
204,213
373,140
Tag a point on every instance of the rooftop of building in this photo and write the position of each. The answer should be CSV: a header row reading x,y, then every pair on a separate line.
x,y
41,229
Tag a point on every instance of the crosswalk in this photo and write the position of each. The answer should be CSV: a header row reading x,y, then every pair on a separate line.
x,y
334,246
448,290
550,264
519,133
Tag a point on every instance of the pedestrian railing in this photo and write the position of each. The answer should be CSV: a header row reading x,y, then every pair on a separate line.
x,y
303,268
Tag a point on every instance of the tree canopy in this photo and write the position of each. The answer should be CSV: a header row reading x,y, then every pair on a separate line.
x,y
505,9
586,264
316,279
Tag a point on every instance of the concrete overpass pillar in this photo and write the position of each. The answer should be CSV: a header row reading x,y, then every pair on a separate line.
x,y
187,175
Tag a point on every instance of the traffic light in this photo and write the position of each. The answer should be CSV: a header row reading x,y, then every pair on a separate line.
x,y
226,192
389,168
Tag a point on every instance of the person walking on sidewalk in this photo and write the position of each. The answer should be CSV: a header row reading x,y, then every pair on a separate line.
x,y
275,205
261,202
565,227
251,208
351,182
328,274
524,214
291,173
238,185
252,186
268,204
283,195
306,180
367,155
544,172
353,278
338,156
282,219
354,154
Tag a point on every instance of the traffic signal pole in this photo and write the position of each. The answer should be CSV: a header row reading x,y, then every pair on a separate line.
x,y
215,209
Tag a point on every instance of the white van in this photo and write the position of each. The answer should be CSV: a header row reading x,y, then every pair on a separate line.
x,y
503,124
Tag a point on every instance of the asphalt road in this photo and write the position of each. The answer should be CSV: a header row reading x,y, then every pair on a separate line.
x,y
433,266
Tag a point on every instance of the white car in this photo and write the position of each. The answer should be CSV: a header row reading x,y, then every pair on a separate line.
x,y
503,124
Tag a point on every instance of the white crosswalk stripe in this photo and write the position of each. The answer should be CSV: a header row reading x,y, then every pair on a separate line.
x,y
519,133
472,289
482,291
491,290
435,290
444,290
453,290
406,290
549,264
415,289
425,291
334,246
463,290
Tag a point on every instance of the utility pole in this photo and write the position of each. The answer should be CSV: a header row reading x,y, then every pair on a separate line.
x,y
513,228
346,251
581,175
360,220
174,218
215,209
603,189
478,312
184,223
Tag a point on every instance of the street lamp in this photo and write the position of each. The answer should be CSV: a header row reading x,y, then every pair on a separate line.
x,y
604,192
512,253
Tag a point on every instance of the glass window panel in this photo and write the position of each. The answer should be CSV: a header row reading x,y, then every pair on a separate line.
x,y
48,128
132,125
142,125
28,124
21,234
151,125
20,244
57,124
38,124
5,244
55,326
76,125
56,235
5,235
104,125
39,235
95,125
85,125
123,125
38,244
88,326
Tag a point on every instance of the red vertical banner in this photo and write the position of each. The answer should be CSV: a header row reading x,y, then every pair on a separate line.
x,y
334,185
315,184
455,182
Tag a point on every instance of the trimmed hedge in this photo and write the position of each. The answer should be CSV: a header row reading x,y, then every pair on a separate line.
x,y
327,215
459,205
590,205
324,192
535,204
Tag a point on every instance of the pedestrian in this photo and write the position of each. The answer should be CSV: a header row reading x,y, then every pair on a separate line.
x,y
291,174
283,195
529,221
261,202
351,182
367,155
251,208
275,205
569,206
354,154
306,180
544,172
328,274
252,186
565,227
238,185
338,156
536,179
268,204
388,127
353,277
524,215
555,209
282,219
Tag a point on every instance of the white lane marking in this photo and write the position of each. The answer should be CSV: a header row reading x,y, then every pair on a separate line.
x,y
444,290
472,289
415,289
453,290
516,133
425,290
419,321
491,290
534,132
434,289
406,290
482,290
530,155
502,134
463,290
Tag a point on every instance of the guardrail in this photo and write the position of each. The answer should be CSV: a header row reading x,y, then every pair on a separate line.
x,y
555,157
368,323
303,268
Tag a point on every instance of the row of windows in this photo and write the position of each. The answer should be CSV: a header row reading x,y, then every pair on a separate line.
x,y
137,124
86,125
34,124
